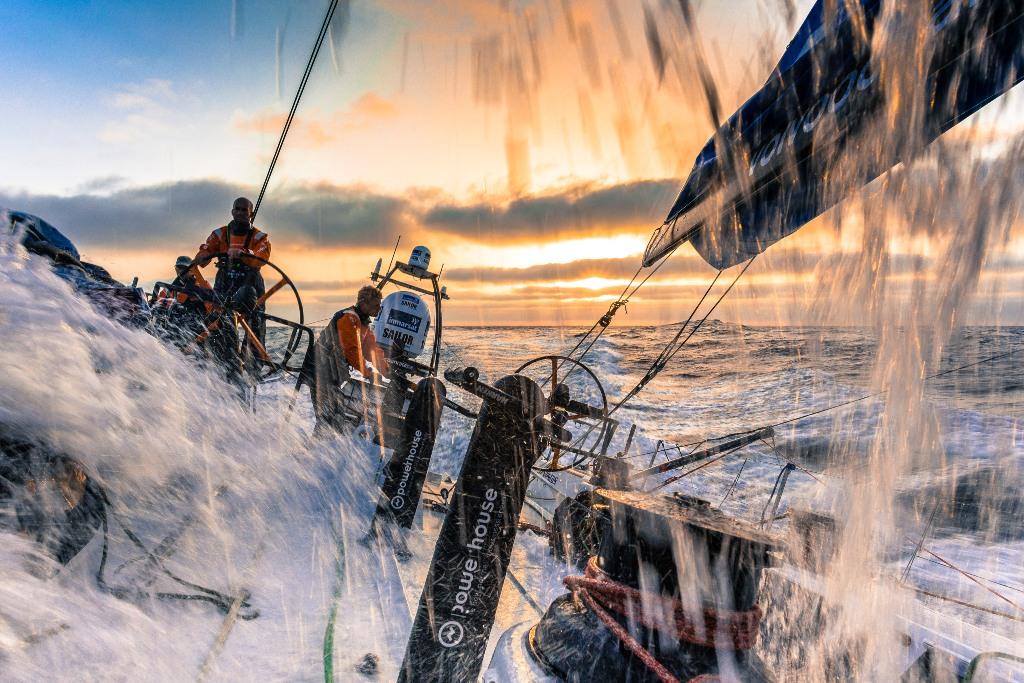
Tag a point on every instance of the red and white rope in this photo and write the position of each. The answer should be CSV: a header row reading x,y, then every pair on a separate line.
x,y
601,594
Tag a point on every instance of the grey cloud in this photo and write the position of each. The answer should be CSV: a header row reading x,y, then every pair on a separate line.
x,y
610,268
156,216
338,216
686,264
1004,264
180,215
641,202
105,184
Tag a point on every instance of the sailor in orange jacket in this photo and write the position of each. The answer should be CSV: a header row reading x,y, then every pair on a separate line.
x,y
190,280
346,342
238,239
237,272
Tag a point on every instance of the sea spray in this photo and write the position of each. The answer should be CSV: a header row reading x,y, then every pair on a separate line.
x,y
166,439
928,230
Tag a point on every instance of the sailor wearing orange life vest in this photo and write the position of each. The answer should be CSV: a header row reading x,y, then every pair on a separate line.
x,y
237,272
346,342
238,239
191,280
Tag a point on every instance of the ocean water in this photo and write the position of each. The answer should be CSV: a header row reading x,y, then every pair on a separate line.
x,y
257,506
955,542
964,497
923,477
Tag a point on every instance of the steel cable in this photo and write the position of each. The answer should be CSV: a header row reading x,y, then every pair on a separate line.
x,y
605,320
295,102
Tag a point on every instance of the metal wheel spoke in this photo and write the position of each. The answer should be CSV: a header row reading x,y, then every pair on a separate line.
x,y
272,291
254,340
550,377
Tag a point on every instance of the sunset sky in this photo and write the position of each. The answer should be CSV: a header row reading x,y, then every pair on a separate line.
x,y
532,145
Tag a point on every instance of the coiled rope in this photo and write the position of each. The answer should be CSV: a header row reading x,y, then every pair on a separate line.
x,y
720,629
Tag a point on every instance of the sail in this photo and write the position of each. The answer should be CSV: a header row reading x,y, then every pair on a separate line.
x,y
791,151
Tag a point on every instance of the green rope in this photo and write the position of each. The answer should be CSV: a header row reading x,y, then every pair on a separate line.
x,y
972,668
339,579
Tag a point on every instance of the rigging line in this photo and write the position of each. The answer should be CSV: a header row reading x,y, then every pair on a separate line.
x,y
778,455
624,289
666,446
582,338
977,362
969,576
807,472
668,354
598,322
216,598
977,576
920,544
664,352
734,482
672,480
664,357
622,300
605,320
773,450
656,366
964,603
458,356
693,445
659,362
708,315
295,103
883,392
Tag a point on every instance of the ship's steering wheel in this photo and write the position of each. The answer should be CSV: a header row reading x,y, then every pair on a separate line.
x,y
267,361
576,402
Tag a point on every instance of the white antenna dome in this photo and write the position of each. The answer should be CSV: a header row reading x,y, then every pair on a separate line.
x,y
420,258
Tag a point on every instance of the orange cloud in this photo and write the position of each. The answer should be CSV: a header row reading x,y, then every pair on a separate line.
x,y
314,131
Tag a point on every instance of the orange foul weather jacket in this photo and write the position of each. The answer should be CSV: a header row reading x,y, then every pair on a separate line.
x,y
200,282
222,239
359,344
